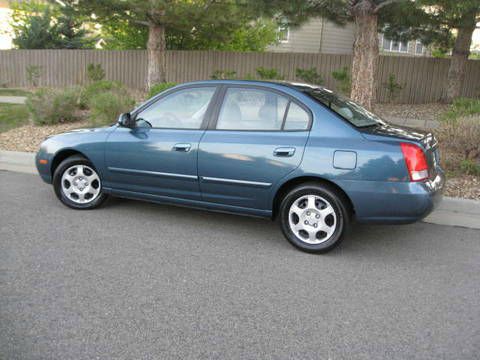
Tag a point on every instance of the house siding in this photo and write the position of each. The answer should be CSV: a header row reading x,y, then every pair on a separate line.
x,y
322,36
318,36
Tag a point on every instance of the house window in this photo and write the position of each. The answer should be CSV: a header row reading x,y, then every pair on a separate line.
x,y
283,33
394,46
418,47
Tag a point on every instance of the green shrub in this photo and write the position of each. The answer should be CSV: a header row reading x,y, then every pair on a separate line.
x,y
310,76
459,144
223,75
158,88
269,74
95,72
470,167
462,107
34,72
52,106
107,106
393,87
96,88
343,80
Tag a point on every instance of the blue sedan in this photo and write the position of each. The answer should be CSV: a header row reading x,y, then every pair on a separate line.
x,y
293,152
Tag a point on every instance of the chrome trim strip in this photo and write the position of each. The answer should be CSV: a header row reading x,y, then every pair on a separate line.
x,y
233,181
155,173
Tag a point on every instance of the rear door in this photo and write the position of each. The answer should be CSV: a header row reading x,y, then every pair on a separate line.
x,y
257,137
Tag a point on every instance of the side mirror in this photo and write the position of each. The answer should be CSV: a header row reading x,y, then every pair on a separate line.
x,y
126,120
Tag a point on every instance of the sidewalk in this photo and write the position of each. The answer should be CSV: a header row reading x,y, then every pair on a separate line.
x,y
451,211
13,99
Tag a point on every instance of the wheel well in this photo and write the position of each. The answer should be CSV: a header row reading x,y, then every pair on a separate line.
x,y
289,185
62,155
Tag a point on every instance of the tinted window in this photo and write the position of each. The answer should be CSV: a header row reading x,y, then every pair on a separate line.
x,y
184,109
251,109
346,108
297,118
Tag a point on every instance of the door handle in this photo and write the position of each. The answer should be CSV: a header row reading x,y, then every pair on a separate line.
x,y
284,151
182,147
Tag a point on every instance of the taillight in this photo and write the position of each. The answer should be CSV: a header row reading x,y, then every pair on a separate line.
x,y
416,161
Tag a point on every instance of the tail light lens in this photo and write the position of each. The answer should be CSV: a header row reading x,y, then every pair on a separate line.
x,y
416,161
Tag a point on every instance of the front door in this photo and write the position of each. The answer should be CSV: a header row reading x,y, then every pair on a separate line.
x,y
159,155
259,137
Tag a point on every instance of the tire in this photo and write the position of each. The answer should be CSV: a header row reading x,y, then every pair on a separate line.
x,y
76,178
314,217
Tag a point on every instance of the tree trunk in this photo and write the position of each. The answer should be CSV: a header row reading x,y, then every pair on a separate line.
x,y
156,54
458,62
365,54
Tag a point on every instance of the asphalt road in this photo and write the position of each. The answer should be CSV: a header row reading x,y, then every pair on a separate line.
x,y
135,280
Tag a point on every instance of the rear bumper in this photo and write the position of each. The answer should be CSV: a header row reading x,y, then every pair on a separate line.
x,y
395,202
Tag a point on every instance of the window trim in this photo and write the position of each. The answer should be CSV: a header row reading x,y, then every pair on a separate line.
x,y
286,30
208,113
221,97
418,42
391,44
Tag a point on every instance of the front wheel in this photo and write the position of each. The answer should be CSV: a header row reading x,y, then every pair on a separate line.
x,y
314,217
77,184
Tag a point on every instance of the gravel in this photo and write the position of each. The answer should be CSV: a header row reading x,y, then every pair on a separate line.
x,y
29,137
432,111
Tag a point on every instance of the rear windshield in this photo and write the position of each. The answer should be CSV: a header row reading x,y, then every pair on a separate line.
x,y
346,108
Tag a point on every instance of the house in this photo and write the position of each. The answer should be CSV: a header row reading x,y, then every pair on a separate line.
x,y
5,28
322,36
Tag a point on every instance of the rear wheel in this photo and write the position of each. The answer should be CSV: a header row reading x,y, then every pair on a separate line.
x,y
77,183
314,217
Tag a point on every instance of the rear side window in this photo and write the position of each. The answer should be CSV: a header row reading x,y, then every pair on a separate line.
x,y
297,118
256,109
251,109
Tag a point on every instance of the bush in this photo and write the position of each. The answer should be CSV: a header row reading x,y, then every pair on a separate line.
x,y
223,75
96,88
462,107
310,76
393,87
269,74
460,143
34,72
51,106
343,80
158,88
95,72
107,106
470,167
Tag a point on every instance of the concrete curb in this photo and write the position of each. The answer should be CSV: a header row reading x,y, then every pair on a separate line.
x,y
451,211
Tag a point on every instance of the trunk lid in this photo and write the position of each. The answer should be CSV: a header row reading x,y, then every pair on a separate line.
x,y
426,140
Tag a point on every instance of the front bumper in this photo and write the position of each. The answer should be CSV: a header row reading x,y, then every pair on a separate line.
x,y
44,169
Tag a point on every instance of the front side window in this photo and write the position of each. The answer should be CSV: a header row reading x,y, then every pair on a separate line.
x,y
252,109
183,109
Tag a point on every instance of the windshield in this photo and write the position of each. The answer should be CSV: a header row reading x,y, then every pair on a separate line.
x,y
346,108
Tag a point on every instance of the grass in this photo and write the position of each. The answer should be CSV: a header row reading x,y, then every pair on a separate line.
x,y
13,92
462,107
12,116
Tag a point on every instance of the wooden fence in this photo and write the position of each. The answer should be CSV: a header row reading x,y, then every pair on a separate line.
x,y
422,79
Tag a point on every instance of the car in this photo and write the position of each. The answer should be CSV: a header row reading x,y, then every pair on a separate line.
x,y
298,153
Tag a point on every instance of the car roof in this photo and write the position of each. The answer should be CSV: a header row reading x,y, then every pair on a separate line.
x,y
269,83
